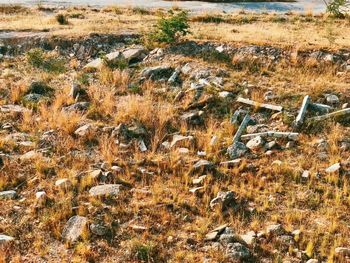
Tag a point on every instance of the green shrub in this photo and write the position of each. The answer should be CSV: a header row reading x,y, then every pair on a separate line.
x,y
337,8
35,57
38,59
169,29
62,19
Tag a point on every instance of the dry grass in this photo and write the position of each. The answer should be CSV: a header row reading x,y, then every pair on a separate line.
x,y
175,221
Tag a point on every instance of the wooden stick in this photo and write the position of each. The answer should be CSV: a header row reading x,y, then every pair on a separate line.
x,y
260,105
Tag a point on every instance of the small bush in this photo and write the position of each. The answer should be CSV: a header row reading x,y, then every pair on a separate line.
x,y
38,59
170,29
62,19
338,8
35,57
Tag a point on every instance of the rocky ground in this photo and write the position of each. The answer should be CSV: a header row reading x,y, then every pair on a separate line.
x,y
115,151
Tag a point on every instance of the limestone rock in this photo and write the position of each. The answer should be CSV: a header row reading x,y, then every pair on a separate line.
x,y
105,190
180,140
255,143
84,130
5,239
225,199
74,228
237,251
10,194
342,251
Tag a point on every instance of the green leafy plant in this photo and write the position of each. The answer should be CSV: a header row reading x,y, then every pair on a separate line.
x,y
62,19
337,8
38,59
169,29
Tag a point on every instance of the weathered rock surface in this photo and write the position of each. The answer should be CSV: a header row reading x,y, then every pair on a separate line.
x,y
74,229
105,190
10,194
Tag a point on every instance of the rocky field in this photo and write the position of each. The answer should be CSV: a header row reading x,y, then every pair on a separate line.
x,y
214,148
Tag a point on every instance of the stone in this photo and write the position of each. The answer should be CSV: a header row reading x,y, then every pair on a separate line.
x,y
74,90
95,174
136,54
305,175
79,106
84,130
231,163
237,251
41,197
211,236
157,73
180,140
226,239
237,150
105,190
213,140
203,165
225,94
174,79
199,180
99,62
74,229
333,168
98,229
275,230
255,143
10,194
225,199
13,108
32,98
196,190
63,183
342,251
270,145
269,95
183,150
249,238
193,117
5,239
332,99
215,233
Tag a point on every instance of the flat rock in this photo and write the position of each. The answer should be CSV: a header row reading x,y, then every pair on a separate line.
x,y
74,228
10,194
225,199
181,141
4,239
84,130
79,106
342,251
13,109
135,54
105,190
255,143
63,183
333,168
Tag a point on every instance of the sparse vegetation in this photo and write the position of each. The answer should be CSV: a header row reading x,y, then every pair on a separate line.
x,y
169,29
131,161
